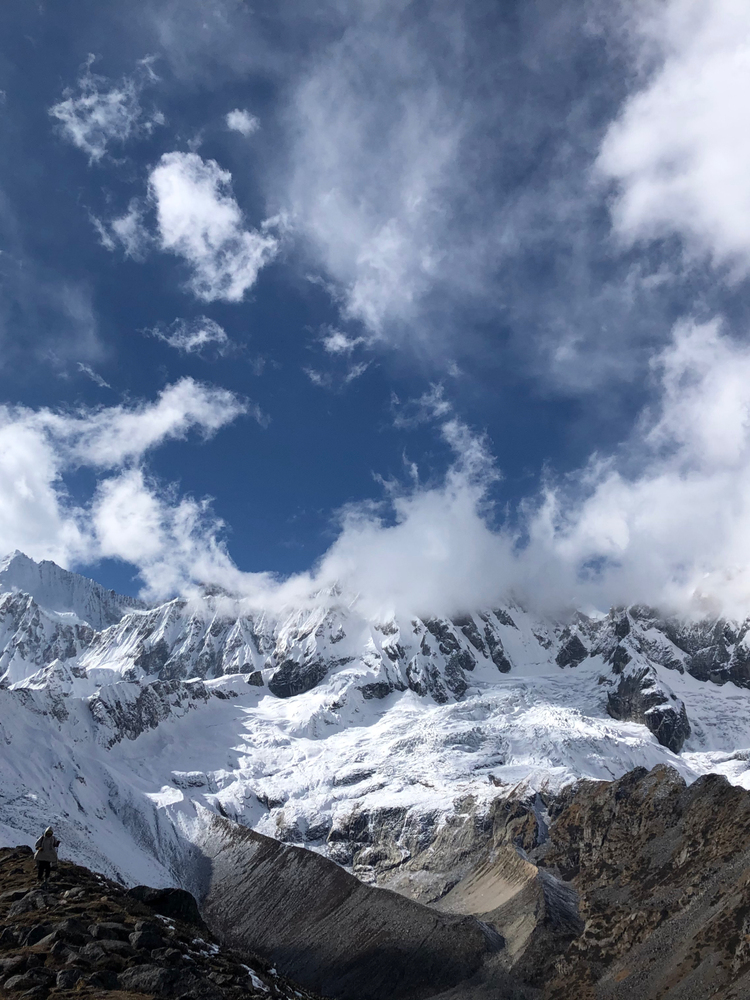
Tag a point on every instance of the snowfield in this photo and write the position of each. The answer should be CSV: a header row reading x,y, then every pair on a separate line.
x,y
125,727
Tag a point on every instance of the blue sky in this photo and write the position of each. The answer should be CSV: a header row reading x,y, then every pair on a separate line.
x,y
452,294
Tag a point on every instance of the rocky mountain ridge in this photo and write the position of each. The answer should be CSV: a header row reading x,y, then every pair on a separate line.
x,y
292,654
64,592
634,889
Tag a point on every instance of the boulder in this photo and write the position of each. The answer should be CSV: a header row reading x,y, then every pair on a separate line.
x,y
178,904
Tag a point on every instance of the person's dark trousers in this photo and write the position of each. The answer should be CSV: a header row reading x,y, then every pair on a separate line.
x,y
43,869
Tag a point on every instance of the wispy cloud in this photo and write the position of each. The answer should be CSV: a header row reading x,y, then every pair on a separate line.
x,y
129,231
193,336
370,166
444,192
336,342
338,379
98,113
94,376
242,122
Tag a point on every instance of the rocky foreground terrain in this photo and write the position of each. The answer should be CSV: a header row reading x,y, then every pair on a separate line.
x,y
81,935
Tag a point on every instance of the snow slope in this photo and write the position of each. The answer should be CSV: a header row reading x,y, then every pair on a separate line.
x,y
123,725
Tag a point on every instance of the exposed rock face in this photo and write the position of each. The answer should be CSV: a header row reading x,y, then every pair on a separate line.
x,y
640,697
81,935
123,713
637,889
713,649
662,873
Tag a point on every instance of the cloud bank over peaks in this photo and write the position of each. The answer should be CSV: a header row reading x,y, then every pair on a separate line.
x,y
99,113
679,149
665,521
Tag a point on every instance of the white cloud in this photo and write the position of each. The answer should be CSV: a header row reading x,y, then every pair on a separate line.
x,y
35,513
678,531
192,336
680,148
428,549
242,121
39,447
173,541
199,219
100,113
114,435
336,342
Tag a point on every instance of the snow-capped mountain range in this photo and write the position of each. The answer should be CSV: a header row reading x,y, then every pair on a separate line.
x,y
126,726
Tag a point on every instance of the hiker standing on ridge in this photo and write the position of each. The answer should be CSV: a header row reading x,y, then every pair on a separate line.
x,y
46,854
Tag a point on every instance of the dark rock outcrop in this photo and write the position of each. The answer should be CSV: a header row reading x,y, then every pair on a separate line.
x,y
639,697
572,652
177,904
291,677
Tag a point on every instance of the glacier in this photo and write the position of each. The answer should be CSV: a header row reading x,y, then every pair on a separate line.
x,y
127,726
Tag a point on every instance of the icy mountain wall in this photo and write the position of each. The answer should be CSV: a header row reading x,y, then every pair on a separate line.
x,y
361,739
60,590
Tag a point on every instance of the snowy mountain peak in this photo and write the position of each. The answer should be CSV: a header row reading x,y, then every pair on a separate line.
x,y
62,591
324,727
